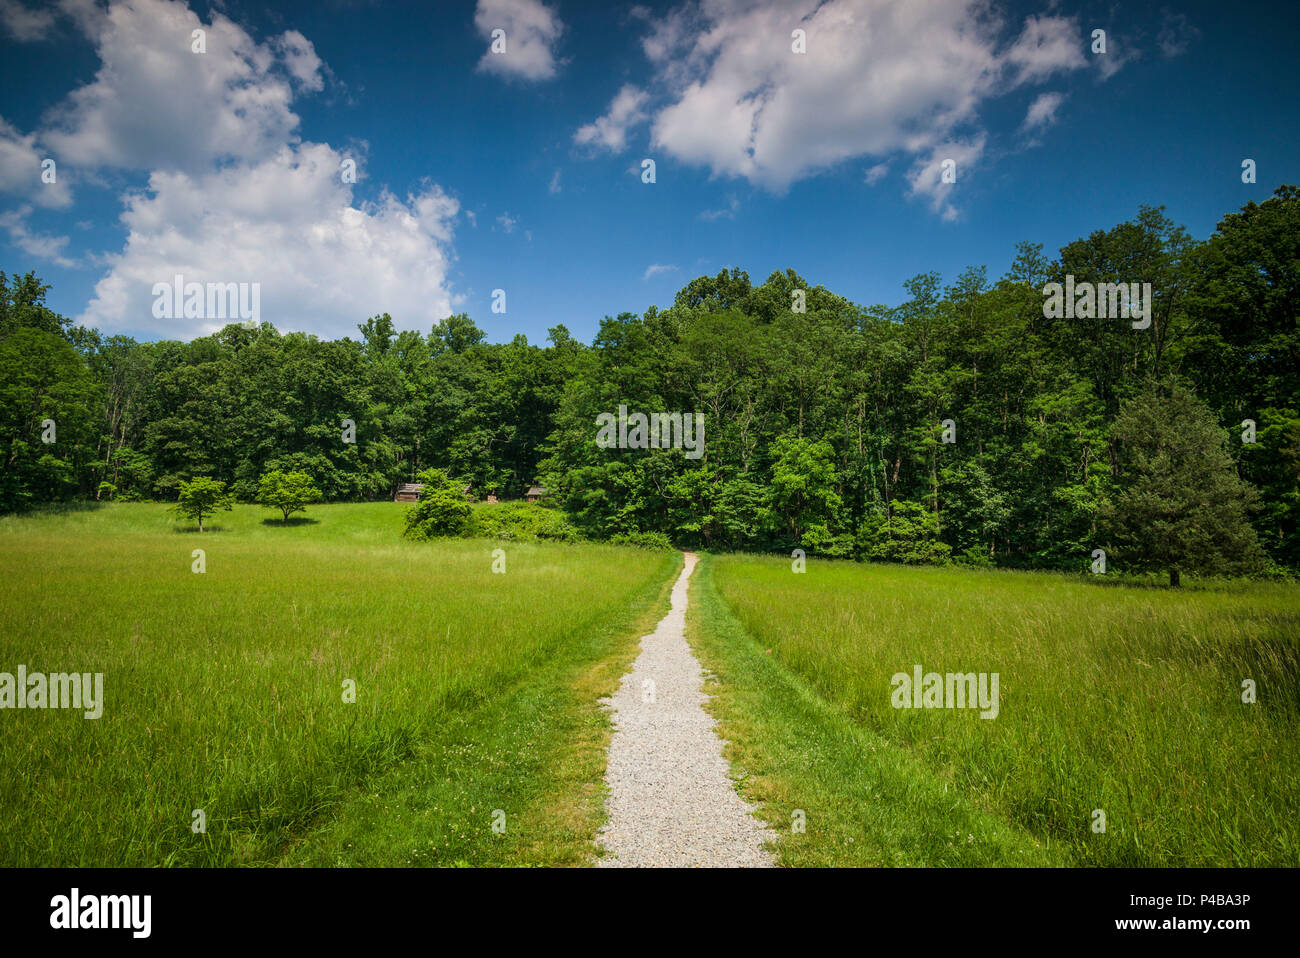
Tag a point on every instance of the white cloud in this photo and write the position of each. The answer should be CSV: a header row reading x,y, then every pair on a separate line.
x,y
508,222
531,31
926,174
301,60
24,24
20,170
289,223
14,222
88,15
232,195
880,78
874,175
554,186
1042,112
625,111
154,104
655,269
1046,46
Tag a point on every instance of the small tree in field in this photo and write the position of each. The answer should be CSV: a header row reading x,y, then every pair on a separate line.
x,y
289,492
1179,505
202,497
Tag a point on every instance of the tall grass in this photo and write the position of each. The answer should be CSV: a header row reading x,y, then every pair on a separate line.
x,y
224,690
1119,698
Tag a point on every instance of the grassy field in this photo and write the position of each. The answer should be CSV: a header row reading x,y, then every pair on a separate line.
x,y
1114,697
475,691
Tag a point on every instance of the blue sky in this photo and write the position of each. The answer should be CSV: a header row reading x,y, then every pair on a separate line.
x,y
521,171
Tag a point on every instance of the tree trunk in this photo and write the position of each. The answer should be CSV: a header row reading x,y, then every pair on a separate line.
x,y
1174,580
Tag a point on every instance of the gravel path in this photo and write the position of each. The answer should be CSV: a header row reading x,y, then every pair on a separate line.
x,y
671,802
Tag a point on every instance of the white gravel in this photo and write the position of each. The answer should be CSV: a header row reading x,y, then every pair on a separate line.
x,y
671,801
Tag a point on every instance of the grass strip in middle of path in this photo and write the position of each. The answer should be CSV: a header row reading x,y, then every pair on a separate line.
x,y
864,802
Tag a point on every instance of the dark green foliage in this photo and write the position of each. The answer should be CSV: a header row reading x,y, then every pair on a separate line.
x,y
519,522
642,540
1179,505
442,510
825,429
44,381
907,533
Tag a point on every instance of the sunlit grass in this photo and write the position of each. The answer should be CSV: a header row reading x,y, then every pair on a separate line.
x,y
224,690
1119,698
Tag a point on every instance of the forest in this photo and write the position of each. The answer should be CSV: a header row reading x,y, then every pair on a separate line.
x,y
962,425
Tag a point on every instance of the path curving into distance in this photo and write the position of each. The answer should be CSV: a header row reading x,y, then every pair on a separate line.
x,y
671,801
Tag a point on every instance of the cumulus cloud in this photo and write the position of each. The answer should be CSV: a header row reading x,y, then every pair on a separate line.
x,y
20,170
874,175
155,104
301,60
610,131
508,222
322,259
1046,46
1042,112
926,175
879,78
531,32
233,195
23,23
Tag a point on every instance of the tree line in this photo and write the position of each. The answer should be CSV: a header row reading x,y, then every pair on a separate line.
x,y
962,425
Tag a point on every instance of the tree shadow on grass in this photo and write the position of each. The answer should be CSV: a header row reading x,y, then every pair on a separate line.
x,y
293,521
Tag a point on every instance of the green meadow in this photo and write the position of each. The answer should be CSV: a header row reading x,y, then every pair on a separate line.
x,y
477,700
1116,697
475,692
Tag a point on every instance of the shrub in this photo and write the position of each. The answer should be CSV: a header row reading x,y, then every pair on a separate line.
x,y
442,509
643,540
519,522
909,533
975,556
819,540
